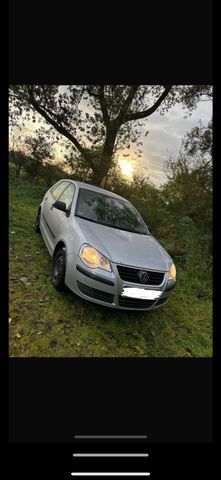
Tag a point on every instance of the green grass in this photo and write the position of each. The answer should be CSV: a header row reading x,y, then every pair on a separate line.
x,y
47,323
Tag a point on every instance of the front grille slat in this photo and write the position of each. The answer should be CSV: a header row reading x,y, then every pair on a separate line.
x,y
135,302
94,293
130,274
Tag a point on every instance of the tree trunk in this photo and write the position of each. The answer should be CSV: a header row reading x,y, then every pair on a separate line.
x,y
100,174
97,178
101,171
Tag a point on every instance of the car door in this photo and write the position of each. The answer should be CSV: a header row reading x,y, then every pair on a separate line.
x,y
47,219
59,221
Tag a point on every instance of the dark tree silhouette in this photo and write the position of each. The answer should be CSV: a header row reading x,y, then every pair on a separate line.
x,y
111,120
40,149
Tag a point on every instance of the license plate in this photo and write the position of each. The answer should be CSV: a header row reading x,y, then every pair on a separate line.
x,y
142,293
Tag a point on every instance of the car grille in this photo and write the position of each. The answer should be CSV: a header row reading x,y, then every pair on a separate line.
x,y
131,275
135,302
94,293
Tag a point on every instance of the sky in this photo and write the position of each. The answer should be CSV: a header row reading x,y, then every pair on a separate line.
x,y
165,135
164,139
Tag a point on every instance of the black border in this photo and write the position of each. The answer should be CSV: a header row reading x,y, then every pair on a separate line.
x,y
155,42
51,400
178,47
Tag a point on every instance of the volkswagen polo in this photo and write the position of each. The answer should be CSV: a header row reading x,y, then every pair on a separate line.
x,y
101,248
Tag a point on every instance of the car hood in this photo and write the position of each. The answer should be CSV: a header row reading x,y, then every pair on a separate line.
x,y
126,248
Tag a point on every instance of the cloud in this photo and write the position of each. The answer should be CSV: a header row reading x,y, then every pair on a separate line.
x,y
165,136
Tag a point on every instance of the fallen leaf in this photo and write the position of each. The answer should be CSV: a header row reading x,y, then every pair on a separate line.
x,y
24,280
18,335
9,320
39,333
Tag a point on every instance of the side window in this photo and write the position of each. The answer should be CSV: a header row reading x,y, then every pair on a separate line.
x,y
58,189
67,196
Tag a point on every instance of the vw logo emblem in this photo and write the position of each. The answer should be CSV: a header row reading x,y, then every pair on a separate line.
x,y
143,276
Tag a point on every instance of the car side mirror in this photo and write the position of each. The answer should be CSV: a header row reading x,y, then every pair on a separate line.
x,y
60,206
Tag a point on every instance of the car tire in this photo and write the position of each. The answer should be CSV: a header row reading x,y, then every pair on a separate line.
x,y
58,269
37,222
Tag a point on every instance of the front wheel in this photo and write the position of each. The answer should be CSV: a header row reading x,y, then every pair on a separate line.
x,y
58,270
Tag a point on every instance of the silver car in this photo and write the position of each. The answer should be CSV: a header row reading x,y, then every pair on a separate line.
x,y
101,248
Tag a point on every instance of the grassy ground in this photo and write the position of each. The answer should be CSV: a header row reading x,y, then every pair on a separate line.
x,y
46,323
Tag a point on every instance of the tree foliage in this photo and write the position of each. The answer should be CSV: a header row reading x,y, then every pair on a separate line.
x,y
98,120
199,141
188,193
40,149
16,153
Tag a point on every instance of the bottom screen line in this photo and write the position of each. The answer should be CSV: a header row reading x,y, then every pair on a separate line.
x,y
110,474
110,455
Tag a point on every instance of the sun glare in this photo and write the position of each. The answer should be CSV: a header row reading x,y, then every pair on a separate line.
x,y
126,168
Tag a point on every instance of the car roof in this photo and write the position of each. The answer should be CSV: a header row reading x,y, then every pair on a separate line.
x,y
88,186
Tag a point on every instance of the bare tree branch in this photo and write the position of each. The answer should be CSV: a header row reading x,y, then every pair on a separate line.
x,y
103,105
122,117
60,128
149,111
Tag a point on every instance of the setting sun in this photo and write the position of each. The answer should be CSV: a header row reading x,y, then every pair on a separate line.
x,y
126,168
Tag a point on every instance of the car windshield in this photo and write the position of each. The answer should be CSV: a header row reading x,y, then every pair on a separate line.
x,y
110,211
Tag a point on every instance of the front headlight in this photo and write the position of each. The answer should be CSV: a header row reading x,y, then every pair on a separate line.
x,y
93,258
172,272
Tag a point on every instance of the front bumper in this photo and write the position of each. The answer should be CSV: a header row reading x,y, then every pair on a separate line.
x,y
105,288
